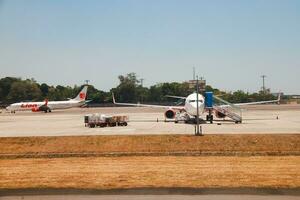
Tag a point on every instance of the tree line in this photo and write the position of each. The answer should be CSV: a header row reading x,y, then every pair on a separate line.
x,y
129,89
15,89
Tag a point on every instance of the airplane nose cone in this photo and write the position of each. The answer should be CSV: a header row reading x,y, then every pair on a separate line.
x,y
195,105
200,108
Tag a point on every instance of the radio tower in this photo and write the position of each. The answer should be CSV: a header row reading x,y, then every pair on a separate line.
x,y
194,72
142,81
263,87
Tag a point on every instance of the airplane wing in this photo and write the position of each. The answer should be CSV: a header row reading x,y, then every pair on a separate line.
x,y
259,102
238,105
147,105
176,97
45,107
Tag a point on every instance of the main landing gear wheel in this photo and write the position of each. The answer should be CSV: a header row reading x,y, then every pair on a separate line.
x,y
210,118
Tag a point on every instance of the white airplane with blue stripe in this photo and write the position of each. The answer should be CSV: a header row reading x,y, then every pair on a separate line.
x,y
190,107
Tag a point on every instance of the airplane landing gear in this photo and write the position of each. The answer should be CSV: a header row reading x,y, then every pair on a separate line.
x,y
210,118
47,110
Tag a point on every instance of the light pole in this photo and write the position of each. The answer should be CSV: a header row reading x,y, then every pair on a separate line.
x,y
197,117
263,87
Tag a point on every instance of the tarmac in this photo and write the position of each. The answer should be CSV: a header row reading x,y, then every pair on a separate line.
x,y
262,119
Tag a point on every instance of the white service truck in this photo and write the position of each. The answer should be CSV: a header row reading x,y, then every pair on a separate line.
x,y
101,120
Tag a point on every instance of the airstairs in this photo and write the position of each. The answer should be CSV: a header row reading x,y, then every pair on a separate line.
x,y
227,109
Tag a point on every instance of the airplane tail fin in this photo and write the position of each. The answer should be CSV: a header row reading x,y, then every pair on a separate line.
x,y
82,94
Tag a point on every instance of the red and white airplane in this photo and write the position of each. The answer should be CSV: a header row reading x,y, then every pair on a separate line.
x,y
48,106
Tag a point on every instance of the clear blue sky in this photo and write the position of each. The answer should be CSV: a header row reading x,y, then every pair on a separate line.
x,y
230,43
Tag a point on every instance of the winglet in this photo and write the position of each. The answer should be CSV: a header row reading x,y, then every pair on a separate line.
x,y
279,97
113,96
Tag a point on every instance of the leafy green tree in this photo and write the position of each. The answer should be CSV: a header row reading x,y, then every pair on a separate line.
x,y
126,91
159,91
44,89
5,86
142,93
97,96
24,90
155,93
61,93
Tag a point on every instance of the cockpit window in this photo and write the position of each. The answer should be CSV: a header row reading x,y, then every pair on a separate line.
x,y
191,101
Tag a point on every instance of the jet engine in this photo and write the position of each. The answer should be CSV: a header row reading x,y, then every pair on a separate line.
x,y
35,109
170,114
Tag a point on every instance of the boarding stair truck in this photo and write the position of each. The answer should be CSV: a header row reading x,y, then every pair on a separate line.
x,y
227,109
221,108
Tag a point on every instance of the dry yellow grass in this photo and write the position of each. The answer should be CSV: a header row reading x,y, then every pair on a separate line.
x,y
166,144
152,171
163,171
